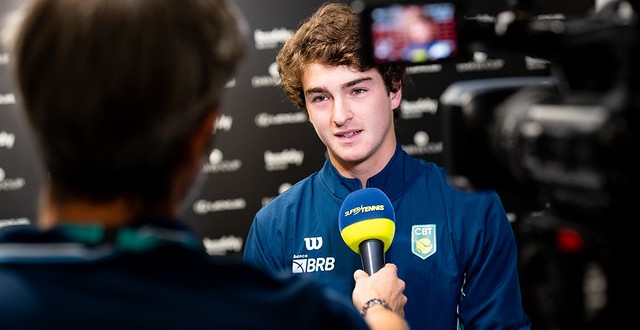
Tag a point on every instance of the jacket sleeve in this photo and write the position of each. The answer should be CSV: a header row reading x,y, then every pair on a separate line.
x,y
264,244
491,297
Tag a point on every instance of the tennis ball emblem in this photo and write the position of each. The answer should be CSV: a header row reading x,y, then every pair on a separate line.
x,y
424,245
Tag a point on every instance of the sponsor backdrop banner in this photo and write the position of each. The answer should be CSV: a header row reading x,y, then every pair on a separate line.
x,y
264,144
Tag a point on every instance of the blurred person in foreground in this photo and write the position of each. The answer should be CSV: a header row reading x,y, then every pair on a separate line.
x,y
455,250
122,97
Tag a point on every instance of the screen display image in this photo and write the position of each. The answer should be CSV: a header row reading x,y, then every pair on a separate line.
x,y
412,33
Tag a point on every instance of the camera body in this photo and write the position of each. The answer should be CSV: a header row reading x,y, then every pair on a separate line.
x,y
569,139
564,140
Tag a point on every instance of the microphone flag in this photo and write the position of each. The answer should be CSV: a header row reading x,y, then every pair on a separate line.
x,y
367,225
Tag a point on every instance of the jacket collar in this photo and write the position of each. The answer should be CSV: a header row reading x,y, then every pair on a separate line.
x,y
392,180
73,243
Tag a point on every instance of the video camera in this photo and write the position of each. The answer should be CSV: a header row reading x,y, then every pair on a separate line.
x,y
568,139
561,148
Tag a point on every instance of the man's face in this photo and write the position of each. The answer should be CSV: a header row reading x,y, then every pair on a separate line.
x,y
352,113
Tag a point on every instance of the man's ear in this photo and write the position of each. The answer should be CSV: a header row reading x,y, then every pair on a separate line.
x,y
396,98
189,181
203,136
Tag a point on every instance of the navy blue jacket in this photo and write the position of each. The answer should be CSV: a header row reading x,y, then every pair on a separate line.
x,y
149,276
455,250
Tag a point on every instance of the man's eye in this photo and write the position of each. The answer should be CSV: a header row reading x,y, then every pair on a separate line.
x,y
318,98
358,91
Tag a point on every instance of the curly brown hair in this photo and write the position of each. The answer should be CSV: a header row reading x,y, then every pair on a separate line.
x,y
330,36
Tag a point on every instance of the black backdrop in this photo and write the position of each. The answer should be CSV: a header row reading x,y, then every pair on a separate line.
x,y
263,143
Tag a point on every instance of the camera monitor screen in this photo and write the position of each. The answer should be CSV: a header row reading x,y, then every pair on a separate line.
x,y
410,32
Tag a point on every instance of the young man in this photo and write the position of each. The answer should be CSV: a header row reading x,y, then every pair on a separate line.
x,y
465,272
122,97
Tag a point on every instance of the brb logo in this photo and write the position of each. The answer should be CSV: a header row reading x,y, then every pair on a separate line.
x,y
303,264
311,265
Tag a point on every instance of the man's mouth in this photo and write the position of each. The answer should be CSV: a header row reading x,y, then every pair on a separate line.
x,y
349,134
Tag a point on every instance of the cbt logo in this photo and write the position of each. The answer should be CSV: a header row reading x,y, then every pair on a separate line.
x,y
311,265
423,240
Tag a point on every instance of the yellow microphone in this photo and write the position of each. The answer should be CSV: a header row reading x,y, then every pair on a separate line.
x,y
367,226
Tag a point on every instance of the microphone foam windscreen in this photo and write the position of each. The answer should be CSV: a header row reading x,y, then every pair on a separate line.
x,y
366,214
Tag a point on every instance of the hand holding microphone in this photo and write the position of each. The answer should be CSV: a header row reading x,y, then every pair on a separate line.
x,y
367,226
384,284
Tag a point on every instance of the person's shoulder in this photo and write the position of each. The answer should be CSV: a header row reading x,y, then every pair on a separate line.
x,y
290,195
432,172
16,239
454,188
19,233
453,184
470,198
283,208
426,166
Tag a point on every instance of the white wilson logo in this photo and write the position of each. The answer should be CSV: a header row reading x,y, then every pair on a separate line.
x,y
313,243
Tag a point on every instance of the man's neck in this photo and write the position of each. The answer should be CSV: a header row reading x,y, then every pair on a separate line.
x,y
111,215
368,168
